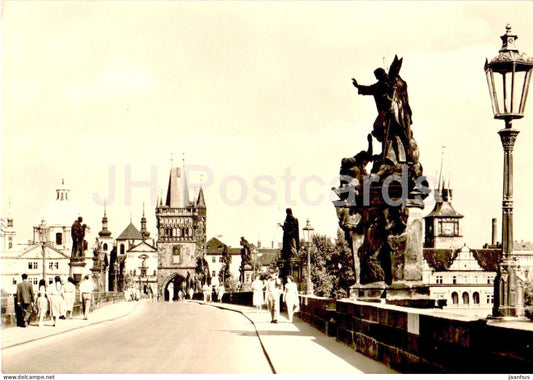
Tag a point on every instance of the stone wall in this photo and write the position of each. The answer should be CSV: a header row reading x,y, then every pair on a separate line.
x,y
99,299
417,341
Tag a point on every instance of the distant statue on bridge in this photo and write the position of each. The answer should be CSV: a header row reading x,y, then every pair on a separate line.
x,y
77,233
246,255
291,236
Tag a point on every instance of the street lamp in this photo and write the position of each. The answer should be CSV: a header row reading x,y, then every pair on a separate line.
x,y
42,232
308,235
508,77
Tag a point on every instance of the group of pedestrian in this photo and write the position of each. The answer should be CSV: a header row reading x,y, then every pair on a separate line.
x,y
57,299
213,293
273,291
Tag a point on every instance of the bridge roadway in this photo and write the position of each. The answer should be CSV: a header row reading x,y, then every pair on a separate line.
x,y
185,337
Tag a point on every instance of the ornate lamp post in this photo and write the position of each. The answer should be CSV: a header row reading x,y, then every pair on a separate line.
x,y
308,235
508,77
43,231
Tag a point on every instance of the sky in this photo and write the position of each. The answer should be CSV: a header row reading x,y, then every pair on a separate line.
x,y
258,98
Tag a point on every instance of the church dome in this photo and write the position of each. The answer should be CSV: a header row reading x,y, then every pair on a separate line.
x,y
60,212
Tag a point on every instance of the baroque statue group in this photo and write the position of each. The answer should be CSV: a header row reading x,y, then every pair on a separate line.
x,y
376,209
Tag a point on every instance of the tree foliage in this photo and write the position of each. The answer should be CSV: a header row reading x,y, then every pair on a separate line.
x,y
322,249
331,266
341,267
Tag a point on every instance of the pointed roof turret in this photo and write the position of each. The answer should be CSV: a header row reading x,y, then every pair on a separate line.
x,y
200,201
443,196
178,191
144,231
105,232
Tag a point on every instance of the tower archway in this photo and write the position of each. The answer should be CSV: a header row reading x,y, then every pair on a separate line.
x,y
172,286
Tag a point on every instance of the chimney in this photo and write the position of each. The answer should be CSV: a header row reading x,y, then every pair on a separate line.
x,y
494,231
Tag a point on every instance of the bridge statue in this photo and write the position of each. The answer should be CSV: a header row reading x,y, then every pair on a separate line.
x,y
79,244
380,211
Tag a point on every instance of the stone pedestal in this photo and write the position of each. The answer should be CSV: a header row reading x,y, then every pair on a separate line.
x,y
77,270
409,294
510,290
247,273
407,260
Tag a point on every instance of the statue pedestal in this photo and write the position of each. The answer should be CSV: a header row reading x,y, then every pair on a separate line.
x,y
77,270
247,273
408,294
406,259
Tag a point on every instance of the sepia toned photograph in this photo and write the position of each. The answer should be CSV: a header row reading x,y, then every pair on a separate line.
x,y
266,187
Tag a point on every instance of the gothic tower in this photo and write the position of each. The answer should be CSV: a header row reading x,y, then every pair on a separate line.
x,y
181,235
443,223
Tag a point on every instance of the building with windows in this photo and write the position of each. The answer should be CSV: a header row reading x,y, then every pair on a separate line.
x,y
48,253
461,276
262,255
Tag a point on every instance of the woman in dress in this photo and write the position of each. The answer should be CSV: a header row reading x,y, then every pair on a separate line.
x,y
69,295
55,295
290,297
257,289
42,302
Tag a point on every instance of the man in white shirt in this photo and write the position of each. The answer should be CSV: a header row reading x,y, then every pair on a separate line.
x,y
86,288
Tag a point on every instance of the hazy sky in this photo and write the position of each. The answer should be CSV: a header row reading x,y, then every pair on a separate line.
x,y
258,94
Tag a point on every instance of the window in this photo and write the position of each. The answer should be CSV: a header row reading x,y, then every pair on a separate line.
x,y
33,265
213,273
466,298
213,259
475,298
59,238
14,281
176,254
489,280
50,265
490,298
454,280
122,249
105,247
50,281
34,280
455,298
438,279
220,259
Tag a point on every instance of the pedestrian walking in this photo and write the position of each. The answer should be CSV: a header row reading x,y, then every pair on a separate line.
x,y
274,292
55,296
220,292
290,297
206,289
191,292
257,289
42,302
25,299
86,289
69,294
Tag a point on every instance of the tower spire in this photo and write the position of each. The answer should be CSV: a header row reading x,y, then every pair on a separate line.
x,y
105,232
144,231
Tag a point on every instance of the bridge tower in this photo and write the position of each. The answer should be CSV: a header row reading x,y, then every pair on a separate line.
x,y
181,240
